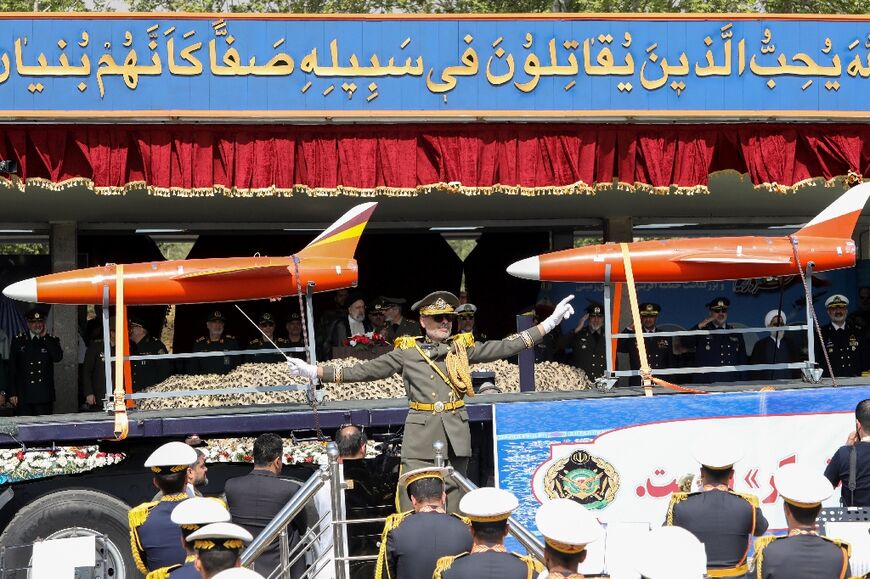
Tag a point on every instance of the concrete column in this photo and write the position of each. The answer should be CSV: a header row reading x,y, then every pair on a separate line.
x,y
618,229
64,250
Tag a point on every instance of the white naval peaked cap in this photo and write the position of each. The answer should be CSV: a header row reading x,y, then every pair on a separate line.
x,y
466,309
238,573
221,531
837,300
488,504
671,553
171,457
717,453
200,511
567,525
802,487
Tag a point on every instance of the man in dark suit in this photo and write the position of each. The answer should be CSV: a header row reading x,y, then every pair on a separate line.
x,y
413,541
32,357
722,519
255,499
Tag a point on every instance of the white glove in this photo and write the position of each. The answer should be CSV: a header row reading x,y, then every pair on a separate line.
x,y
299,367
563,311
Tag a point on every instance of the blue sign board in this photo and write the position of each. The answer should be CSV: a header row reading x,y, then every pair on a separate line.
x,y
178,66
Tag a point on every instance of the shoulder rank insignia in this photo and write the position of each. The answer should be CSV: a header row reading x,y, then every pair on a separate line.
x,y
201,339
465,338
444,563
534,566
404,342
381,568
748,497
840,543
229,337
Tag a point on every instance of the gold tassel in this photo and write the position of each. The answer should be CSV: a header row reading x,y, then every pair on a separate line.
x,y
749,498
465,338
760,544
675,499
443,564
465,520
458,369
139,514
534,566
391,523
136,549
161,573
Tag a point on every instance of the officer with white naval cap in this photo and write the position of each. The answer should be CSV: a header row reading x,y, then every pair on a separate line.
x,y
190,516
803,553
723,520
218,548
567,528
488,509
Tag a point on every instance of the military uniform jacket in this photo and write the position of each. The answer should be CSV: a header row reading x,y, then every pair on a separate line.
x,y
588,352
719,349
32,368
149,372
659,351
846,349
413,547
723,520
487,565
154,538
404,328
423,384
801,557
94,369
214,364
267,358
186,570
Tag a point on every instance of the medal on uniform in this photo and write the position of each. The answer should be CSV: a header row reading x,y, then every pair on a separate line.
x,y
708,347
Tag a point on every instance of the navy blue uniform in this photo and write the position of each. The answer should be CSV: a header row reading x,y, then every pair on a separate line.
x,y
801,557
487,565
719,349
31,371
588,352
412,549
149,372
846,349
837,472
155,539
723,520
659,352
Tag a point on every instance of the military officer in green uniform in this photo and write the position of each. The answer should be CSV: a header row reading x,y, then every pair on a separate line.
x,y
435,371
266,323
488,509
146,372
396,324
154,538
567,527
723,520
32,357
803,553
216,341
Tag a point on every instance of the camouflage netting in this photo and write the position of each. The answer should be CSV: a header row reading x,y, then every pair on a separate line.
x,y
549,377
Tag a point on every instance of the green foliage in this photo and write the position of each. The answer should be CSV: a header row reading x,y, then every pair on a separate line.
x,y
175,250
24,248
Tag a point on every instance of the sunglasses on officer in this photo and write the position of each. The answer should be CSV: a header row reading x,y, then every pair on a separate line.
x,y
441,318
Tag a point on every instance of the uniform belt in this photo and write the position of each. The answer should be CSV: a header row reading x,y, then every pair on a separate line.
x,y
738,571
436,407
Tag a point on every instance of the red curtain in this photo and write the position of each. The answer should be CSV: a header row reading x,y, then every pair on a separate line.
x,y
403,159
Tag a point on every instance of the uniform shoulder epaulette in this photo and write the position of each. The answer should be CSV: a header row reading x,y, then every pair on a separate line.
x,y
163,572
229,337
465,338
201,339
465,520
444,563
676,498
391,523
139,514
404,342
748,497
840,543
534,566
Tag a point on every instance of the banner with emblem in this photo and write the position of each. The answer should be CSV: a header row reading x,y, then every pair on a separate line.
x,y
623,457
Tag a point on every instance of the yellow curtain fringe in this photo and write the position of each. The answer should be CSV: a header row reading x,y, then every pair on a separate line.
x,y
579,188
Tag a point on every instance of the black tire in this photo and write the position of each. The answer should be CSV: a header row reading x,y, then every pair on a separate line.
x,y
59,514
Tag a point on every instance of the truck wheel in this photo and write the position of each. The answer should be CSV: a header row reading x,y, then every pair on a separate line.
x,y
71,513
